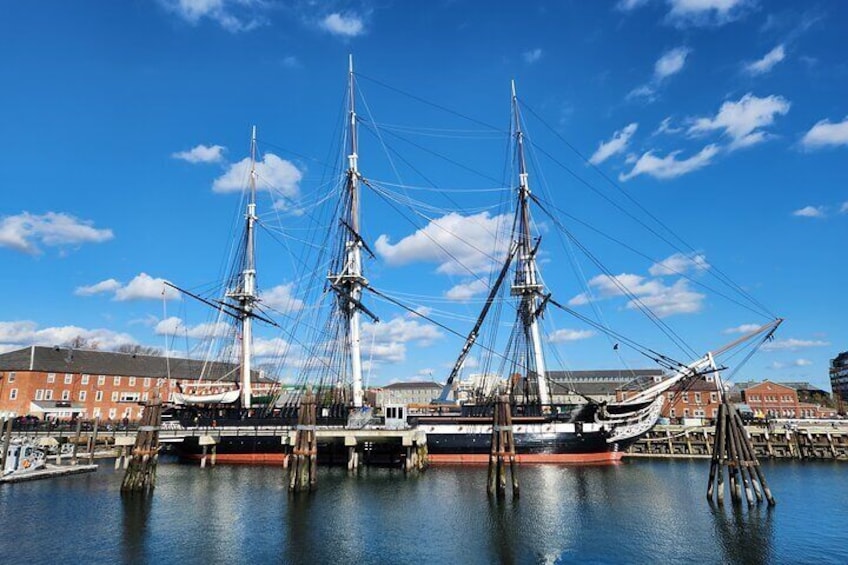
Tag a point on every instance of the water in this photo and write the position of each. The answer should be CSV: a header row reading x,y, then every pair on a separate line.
x,y
638,512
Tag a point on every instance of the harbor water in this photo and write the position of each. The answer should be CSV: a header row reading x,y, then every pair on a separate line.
x,y
643,511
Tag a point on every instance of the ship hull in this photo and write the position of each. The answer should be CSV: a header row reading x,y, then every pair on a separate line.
x,y
466,443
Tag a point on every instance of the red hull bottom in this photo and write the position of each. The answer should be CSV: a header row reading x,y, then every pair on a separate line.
x,y
529,458
240,458
437,459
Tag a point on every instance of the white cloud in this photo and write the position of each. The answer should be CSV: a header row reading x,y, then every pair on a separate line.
x,y
670,63
109,285
802,363
25,333
743,329
826,134
679,264
742,121
768,61
458,243
670,167
281,299
273,174
666,127
792,344
202,154
629,5
386,341
345,25
232,15
810,212
175,327
617,144
706,12
464,291
144,287
662,299
24,231
533,55
564,335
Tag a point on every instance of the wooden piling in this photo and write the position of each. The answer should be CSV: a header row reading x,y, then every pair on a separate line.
x,y
502,450
7,441
77,433
733,450
93,442
141,472
303,467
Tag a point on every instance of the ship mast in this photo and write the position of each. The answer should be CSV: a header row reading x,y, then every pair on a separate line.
x,y
246,295
526,285
349,283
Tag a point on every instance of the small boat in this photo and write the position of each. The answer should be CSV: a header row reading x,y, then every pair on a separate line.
x,y
23,457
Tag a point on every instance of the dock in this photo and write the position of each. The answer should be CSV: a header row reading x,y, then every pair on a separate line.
x,y
50,472
813,442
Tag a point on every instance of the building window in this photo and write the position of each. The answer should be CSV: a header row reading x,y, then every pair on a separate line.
x,y
51,378
713,398
715,412
686,413
147,382
130,396
82,396
145,397
98,396
685,398
96,413
39,394
13,394
85,379
160,382
101,380
112,412
115,396
48,394
12,377
66,395
127,412
697,398
132,381
69,378
116,381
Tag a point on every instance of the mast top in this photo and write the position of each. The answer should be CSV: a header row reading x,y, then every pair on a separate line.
x,y
512,83
350,63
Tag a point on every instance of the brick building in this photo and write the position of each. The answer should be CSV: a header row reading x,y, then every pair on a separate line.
x,y
59,382
697,398
772,400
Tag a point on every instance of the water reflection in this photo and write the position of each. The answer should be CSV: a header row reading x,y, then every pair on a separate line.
x,y
745,534
136,514
502,516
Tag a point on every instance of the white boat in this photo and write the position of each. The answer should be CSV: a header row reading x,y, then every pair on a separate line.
x,y
23,457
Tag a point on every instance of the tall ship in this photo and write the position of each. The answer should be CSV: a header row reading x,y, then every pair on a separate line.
x,y
332,362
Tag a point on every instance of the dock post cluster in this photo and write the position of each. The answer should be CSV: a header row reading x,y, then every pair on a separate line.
x,y
734,451
503,449
141,472
304,466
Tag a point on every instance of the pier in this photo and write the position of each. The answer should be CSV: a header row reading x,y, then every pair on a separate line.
x,y
815,442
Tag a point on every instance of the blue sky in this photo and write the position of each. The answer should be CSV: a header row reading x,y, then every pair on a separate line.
x,y
126,126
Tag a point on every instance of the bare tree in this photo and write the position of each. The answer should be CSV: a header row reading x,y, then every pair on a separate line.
x,y
80,342
136,349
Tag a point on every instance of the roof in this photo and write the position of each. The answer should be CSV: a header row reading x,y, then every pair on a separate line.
x,y
85,361
413,386
609,375
600,388
804,387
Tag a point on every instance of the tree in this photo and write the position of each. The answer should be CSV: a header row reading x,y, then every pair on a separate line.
x,y
80,342
136,349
